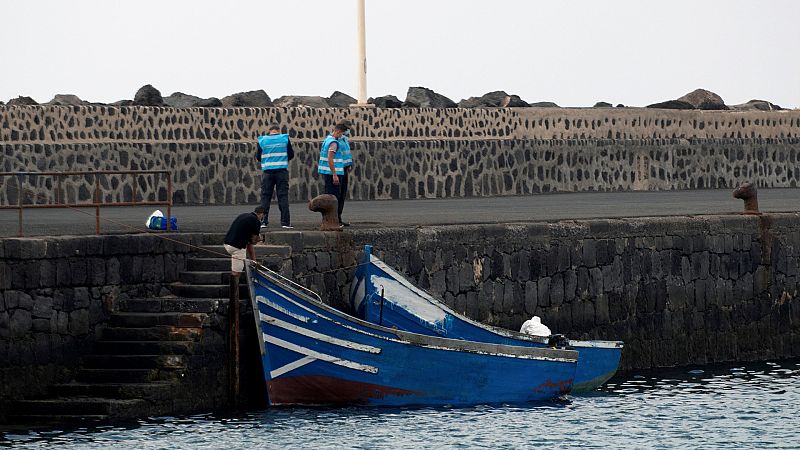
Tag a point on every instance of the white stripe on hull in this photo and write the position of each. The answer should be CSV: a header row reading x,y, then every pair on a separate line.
x,y
291,366
264,300
318,336
321,356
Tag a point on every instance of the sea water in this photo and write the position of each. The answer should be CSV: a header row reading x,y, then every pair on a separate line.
x,y
754,405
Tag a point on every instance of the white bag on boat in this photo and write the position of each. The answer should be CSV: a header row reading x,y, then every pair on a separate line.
x,y
535,327
156,213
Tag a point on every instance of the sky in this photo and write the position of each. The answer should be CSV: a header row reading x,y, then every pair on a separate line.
x,y
571,52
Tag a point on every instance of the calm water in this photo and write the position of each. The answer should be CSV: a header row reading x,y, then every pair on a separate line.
x,y
742,406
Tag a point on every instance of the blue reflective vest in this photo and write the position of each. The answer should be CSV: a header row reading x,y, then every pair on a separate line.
x,y
274,153
338,157
347,157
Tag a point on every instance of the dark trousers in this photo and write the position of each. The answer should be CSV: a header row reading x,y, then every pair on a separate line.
x,y
272,180
340,191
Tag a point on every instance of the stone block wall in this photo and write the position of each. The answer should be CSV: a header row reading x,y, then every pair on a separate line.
x,y
56,293
226,173
400,153
678,291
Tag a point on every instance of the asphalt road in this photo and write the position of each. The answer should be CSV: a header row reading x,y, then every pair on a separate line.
x,y
384,213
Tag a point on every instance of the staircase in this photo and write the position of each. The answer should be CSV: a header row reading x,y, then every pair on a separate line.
x,y
148,348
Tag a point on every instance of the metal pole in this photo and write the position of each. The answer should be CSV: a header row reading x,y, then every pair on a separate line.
x,y
19,202
97,204
134,188
169,200
362,55
233,341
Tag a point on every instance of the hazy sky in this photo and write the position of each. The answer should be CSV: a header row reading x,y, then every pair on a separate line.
x,y
572,52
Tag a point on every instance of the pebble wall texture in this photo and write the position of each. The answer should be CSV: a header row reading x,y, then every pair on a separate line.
x,y
56,292
678,291
400,153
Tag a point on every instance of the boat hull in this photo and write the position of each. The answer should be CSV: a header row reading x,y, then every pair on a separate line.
x,y
315,355
382,296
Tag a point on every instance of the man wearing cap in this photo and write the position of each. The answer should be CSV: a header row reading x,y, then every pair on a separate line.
x,y
335,161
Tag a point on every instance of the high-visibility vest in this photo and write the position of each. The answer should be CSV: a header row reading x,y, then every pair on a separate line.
x,y
338,161
274,152
347,156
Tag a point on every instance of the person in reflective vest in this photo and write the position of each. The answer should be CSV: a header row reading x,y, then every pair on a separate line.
x,y
274,152
335,161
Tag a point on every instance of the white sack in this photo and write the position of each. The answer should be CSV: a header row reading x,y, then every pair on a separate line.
x,y
156,213
535,327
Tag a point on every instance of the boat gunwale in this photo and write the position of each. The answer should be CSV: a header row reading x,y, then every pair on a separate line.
x,y
496,330
407,338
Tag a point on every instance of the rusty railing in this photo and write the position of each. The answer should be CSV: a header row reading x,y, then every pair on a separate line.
x,y
97,202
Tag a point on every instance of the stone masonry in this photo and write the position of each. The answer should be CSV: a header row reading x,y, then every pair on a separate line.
x,y
678,291
400,153
55,292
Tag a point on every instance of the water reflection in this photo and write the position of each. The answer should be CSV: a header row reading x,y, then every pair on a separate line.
x,y
753,405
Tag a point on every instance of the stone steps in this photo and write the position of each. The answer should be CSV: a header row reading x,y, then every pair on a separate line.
x,y
224,264
170,304
207,290
156,333
126,375
208,264
167,362
261,250
147,347
208,277
144,347
153,391
144,320
80,408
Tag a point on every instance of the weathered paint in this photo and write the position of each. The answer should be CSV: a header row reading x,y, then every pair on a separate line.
x,y
325,390
391,300
333,358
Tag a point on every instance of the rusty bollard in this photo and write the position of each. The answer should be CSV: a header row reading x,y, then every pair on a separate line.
x,y
327,205
748,193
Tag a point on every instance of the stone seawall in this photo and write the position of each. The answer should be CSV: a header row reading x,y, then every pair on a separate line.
x,y
400,153
678,291
56,292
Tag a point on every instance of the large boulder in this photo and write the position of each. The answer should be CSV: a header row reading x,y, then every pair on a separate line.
x,y
420,97
757,105
340,100
544,105
67,100
181,100
387,101
22,101
703,99
256,99
147,95
301,101
672,104
495,99
603,105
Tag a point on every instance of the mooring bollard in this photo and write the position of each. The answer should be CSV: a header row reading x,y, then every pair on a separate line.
x,y
327,205
748,193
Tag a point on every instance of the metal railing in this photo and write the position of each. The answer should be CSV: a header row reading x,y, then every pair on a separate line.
x,y
97,201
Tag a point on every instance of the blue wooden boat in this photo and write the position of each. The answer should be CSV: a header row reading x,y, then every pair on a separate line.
x,y
382,296
313,354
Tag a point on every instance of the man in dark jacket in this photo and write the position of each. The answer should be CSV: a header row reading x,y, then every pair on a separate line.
x,y
273,156
244,232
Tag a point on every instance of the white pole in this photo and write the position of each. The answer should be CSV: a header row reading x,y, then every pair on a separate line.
x,y
362,56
